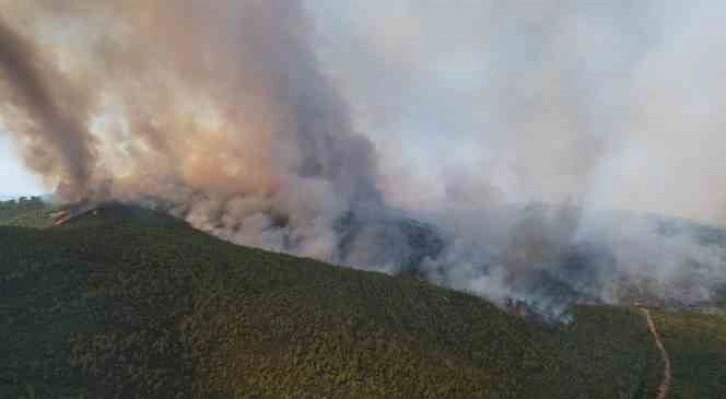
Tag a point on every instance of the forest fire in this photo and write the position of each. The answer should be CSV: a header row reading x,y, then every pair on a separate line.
x,y
246,122
73,211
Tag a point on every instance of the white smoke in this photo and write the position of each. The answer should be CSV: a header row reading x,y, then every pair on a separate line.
x,y
492,146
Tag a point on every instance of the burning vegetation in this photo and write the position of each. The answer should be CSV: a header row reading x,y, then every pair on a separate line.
x,y
233,118
73,211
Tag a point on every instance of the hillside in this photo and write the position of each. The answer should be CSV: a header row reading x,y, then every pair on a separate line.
x,y
25,212
130,303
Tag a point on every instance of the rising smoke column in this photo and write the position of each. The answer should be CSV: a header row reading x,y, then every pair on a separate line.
x,y
225,97
507,125
47,116
219,111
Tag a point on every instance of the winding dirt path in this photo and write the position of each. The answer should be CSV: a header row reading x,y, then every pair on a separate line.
x,y
665,384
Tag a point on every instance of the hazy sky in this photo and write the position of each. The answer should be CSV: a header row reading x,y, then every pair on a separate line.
x,y
620,100
14,179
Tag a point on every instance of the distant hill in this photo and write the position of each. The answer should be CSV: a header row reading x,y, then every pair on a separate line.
x,y
126,302
26,212
11,196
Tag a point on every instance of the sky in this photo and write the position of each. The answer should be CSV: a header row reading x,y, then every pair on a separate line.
x,y
620,100
14,178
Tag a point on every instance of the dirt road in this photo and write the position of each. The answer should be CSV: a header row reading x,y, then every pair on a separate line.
x,y
666,381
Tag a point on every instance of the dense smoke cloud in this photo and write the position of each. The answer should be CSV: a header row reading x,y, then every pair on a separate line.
x,y
508,110
219,111
505,148
50,125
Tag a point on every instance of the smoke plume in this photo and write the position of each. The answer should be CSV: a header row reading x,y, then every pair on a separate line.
x,y
54,135
508,149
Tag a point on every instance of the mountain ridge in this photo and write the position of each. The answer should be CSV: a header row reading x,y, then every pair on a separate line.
x,y
139,305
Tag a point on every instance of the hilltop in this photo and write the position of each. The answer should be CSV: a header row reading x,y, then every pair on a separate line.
x,y
129,302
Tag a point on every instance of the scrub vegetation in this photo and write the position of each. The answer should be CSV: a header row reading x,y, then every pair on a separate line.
x,y
126,302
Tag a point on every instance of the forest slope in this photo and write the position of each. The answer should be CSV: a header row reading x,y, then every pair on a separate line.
x,y
129,302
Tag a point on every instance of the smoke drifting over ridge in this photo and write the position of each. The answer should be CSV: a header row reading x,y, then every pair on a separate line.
x,y
324,129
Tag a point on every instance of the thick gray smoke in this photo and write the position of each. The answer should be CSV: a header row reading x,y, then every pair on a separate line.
x,y
548,134
509,149
51,127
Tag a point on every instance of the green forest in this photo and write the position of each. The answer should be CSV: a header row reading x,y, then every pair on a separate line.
x,y
127,302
